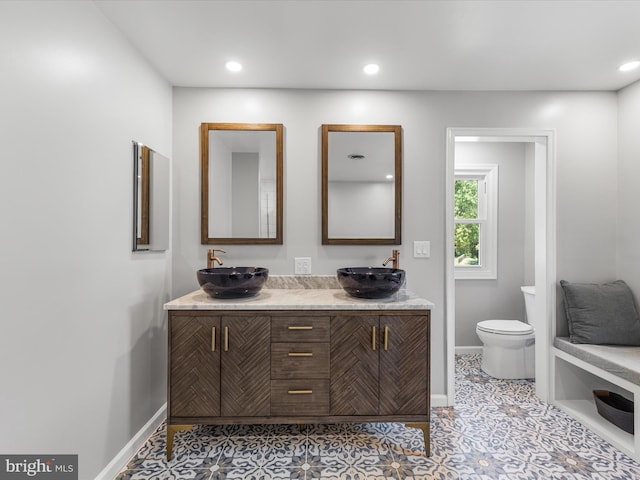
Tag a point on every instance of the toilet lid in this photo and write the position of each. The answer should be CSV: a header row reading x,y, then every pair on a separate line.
x,y
505,327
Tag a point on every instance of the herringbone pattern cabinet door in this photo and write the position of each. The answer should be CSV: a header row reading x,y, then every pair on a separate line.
x,y
354,365
403,365
195,367
246,367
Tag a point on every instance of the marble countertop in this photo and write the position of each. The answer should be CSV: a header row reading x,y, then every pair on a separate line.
x,y
300,298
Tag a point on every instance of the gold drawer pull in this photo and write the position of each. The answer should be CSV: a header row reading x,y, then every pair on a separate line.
x,y
296,327
386,338
300,354
373,338
226,339
213,339
299,392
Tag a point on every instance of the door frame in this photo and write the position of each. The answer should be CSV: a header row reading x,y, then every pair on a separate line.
x,y
544,251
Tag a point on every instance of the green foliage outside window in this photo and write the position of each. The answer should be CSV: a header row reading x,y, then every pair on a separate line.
x,y
467,235
466,199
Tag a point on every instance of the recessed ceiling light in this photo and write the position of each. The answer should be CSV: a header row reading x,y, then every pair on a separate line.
x,y
371,69
233,66
389,177
626,67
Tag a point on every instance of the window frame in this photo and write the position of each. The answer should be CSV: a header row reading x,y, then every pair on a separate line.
x,y
487,175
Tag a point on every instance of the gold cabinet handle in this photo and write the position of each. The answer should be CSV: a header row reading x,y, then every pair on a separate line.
x,y
226,339
300,354
301,327
213,339
299,392
386,337
373,338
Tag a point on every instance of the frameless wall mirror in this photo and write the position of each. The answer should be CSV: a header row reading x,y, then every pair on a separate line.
x,y
361,184
150,199
241,183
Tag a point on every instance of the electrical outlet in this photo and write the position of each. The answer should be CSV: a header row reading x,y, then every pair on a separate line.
x,y
302,266
421,249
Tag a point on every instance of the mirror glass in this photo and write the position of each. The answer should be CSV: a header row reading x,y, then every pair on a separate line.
x,y
150,199
361,184
241,183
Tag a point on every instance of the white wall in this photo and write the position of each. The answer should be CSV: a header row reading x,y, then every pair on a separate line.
x,y
82,349
245,194
585,124
629,191
220,197
529,214
361,210
478,300
160,202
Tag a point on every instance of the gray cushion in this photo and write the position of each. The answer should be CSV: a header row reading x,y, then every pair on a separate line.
x,y
601,314
622,361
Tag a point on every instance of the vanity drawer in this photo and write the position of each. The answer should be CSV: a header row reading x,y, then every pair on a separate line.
x,y
299,360
299,397
300,329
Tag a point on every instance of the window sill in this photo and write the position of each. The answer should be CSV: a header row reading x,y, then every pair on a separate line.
x,y
475,275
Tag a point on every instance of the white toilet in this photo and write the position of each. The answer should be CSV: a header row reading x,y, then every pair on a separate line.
x,y
508,345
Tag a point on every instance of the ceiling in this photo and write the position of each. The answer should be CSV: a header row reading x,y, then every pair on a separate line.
x,y
419,44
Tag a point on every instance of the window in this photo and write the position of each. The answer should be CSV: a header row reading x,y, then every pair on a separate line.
x,y
476,221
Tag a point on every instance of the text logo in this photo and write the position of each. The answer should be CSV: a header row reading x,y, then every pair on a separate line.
x,y
44,467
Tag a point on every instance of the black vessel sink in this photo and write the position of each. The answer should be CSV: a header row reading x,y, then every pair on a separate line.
x,y
232,282
371,282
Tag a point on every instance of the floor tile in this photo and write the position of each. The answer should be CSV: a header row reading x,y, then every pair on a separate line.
x,y
498,430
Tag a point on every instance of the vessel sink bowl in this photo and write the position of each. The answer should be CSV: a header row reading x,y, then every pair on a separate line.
x,y
371,282
232,282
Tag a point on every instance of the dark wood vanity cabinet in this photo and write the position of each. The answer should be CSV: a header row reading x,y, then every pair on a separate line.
x,y
245,380
379,365
194,366
354,379
297,367
218,366
300,367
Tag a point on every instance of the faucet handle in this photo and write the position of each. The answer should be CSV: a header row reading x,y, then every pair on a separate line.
x,y
395,254
211,257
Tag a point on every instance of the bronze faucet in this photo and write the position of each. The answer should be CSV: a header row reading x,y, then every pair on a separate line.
x,y
211,257
393,258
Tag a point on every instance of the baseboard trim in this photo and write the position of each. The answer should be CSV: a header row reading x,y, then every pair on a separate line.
x,y
122,457
468,350
439,400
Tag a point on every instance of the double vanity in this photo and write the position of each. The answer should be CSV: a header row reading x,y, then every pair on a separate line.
x,y
301,351
250,349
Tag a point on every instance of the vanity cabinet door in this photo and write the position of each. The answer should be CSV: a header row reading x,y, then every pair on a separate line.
x,y
246,366
354,365
404,357
194,366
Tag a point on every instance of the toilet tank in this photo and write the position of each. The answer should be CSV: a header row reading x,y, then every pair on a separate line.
x,y
529,293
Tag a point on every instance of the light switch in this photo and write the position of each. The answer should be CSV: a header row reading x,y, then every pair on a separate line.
x,y
421,249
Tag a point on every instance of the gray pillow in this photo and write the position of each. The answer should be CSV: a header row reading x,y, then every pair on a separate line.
x,y
601,314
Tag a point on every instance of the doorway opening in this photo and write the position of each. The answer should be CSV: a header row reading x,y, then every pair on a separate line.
x,y
540,145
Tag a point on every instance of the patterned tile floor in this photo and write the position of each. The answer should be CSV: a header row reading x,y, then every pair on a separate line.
x,y
497,430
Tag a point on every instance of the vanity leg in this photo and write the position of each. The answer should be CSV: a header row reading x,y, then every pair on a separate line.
x,y
425,427
171,430
301,426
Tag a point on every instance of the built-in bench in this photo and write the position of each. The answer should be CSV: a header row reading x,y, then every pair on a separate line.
x,y
621,361
581,368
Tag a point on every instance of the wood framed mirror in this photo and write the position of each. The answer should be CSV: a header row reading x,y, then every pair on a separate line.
x,y
361,184
241,167
151,199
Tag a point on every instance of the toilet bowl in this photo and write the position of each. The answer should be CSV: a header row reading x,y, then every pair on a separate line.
x,y
508,346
